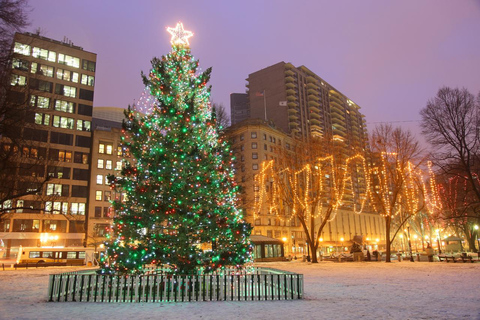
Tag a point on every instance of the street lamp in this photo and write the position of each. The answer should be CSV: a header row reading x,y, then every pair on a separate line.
x,y
341,240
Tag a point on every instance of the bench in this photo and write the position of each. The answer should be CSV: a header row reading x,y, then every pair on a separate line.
x,y
447,258
465,259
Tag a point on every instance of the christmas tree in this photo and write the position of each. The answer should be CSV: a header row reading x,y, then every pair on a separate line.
x,y
179,207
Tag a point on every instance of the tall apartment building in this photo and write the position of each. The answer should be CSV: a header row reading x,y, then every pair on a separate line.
x,y
239,109
57,80
302,104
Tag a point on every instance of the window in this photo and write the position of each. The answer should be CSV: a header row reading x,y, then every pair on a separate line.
x,y
88,80
85,110
42,118
118,165
59,172
264,136
20,64
98,195
86,94
42,69
67,91
242,158
83,125
64,156
18,80
57,189
119,151
107,196
80,174
108,165
242,147
242,137
109,149
254,166
265,147
21,48
82,141
101,148
77,208
88,65
68,60
253,135
107,182
65,106
107,212
67,75
99,179
79,191
98,212
44,54
100,163
80,157
254,145
39,102
41,85
63,122
254,155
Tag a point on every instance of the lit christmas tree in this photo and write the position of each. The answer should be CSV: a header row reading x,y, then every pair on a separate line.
x,y
180,198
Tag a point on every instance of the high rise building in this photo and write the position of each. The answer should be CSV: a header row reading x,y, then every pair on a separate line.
x,y
302,104
56,82
239,109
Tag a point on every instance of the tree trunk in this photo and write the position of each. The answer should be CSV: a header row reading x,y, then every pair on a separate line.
x,y
387,238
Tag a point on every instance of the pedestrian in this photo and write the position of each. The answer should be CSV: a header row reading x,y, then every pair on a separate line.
x,y
429,251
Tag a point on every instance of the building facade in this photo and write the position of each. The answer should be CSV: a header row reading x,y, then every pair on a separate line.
x,y
302,104
56,80
239,109
107,159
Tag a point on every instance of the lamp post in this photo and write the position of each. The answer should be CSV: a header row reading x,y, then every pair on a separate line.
x,y
438,242
341,240
475,227
410,245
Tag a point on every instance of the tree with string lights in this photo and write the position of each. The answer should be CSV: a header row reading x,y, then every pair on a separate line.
x,y
179,209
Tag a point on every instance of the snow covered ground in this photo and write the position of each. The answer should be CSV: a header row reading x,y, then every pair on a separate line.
x,y
352,290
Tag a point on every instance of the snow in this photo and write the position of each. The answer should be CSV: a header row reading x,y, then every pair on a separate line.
x,y
349,290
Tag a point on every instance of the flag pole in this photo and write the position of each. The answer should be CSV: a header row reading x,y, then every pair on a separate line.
x,y
265,103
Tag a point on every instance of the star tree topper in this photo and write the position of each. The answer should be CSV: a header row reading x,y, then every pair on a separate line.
x,y
179,35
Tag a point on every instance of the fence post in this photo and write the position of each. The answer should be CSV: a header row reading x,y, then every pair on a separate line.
x,y
51,284
74,287
59,288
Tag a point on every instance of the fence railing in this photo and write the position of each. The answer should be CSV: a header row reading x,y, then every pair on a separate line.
x,y
256,286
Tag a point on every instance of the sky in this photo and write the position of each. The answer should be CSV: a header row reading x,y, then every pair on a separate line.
x,y
388,56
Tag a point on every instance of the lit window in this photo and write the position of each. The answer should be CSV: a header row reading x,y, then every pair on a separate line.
x,y
68,60
88,80
100,164
42,118
106,180
108,165
254,145
118,165
109,149
21,48
64,106
254,166
253,135
98,195
83,125
44,54
99,179
254,155
18,80
119,151
63,122
101,148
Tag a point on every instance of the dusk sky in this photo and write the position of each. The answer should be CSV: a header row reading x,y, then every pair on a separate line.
x,y
389,57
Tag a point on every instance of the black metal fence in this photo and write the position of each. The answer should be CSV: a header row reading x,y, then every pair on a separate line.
x,y
263,284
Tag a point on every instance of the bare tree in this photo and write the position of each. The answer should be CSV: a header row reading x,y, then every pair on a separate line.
x,y
397,192
307,184
13,18
451,122
223,120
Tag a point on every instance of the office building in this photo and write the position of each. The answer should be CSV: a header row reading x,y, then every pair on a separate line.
x,y
56,82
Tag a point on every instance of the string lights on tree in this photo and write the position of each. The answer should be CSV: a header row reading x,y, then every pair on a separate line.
x,y
180,205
